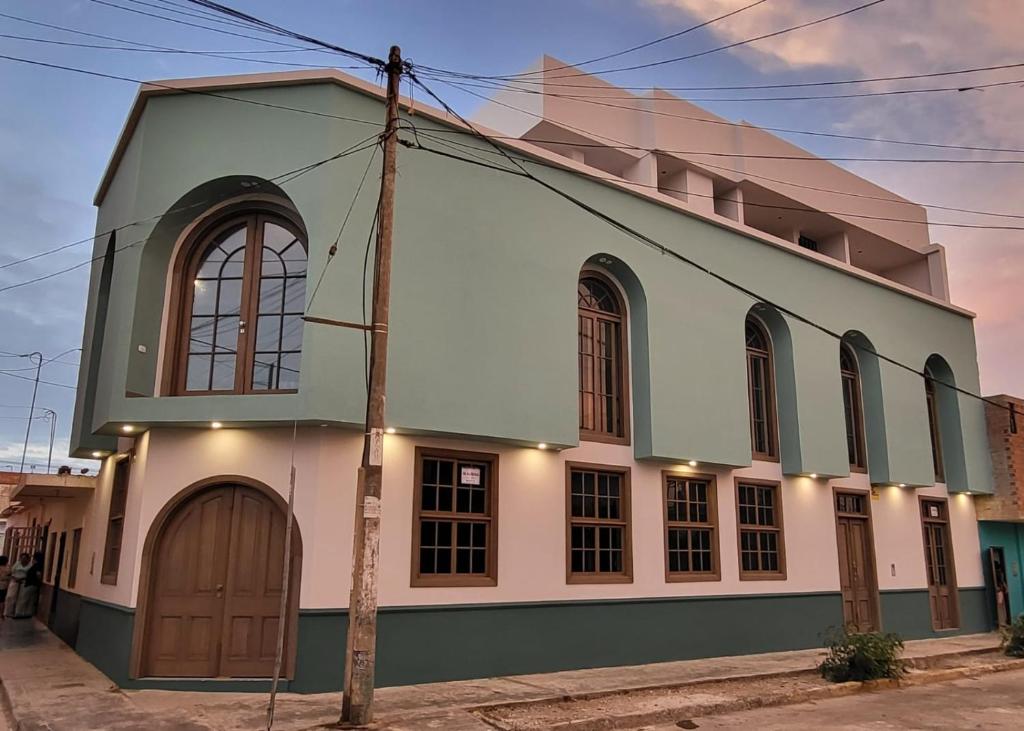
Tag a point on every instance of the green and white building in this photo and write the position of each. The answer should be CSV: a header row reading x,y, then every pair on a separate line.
x,y
597,454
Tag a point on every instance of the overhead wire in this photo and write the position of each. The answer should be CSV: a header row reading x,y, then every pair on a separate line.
x,y
682,258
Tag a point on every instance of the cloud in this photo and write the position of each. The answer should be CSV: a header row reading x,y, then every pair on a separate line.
x,y
986,267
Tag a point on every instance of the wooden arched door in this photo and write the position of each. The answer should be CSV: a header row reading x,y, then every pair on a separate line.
x,y
215,587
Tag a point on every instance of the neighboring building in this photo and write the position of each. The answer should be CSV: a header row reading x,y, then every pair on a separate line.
x,y
1002,514
659,470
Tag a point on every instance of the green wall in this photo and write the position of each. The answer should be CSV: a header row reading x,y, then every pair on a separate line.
x,y
908,614
1009,536
483,333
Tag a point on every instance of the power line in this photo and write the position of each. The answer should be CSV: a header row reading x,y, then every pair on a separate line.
x,y
193,25
41,380
806,97
210,54
648,44
748,87
798,209
727,123
699,54
666,250
283,179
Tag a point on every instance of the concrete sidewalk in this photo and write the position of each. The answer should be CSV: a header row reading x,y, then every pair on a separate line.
x,y
47,686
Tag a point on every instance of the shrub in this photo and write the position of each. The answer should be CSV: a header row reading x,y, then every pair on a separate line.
x,y
1013,638
862,656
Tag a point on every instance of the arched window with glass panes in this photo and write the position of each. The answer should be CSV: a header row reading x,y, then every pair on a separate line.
x,y
602,360
242,293
761,391
853,408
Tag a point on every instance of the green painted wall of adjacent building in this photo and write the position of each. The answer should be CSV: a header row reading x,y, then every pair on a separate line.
x,y
1009,537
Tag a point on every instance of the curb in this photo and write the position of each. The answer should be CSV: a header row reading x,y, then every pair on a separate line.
x,y
838,690
7,708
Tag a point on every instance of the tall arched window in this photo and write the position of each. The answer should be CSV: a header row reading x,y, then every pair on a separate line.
x,y
852,407
602,360
933,424
243,298
761,391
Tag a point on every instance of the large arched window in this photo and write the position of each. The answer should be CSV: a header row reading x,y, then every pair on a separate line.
x,y
853,408
761,391
602,359
933,424
243,297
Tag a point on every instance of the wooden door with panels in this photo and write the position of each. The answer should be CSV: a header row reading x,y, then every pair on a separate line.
x,y
216,582
938,555
858,578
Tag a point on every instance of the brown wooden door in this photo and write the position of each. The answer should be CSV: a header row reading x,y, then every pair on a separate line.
x,y
857,579
253,593
942,588
216,579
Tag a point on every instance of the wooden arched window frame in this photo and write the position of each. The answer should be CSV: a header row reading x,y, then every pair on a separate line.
x,y
933,424
603,372
238,298
853,408
764,442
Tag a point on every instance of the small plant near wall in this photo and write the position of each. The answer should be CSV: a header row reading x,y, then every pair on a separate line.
x,y
860,656
1013,637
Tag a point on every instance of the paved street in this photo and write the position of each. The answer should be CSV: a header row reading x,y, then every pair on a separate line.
x,y
989,702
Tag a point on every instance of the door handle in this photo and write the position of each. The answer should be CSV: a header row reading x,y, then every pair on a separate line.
x,y
220,590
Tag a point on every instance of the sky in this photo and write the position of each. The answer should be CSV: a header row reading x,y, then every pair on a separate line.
x,y
57,128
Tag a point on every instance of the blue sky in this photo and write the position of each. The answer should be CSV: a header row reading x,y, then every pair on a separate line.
x,y
57,128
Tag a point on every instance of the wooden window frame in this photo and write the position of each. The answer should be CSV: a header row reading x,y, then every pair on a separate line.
x,y
932,404
76,549
255,214
950,561
779,529
625,522
771,408
110,568
712,525
491,517
51,550
591,435
852,379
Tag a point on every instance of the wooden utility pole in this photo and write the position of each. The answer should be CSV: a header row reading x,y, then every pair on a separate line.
x,y
360,650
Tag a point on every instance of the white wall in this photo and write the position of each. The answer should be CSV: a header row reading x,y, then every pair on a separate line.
x,y
531,551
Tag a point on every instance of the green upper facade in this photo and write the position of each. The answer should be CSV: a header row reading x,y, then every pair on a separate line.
x,y
483,339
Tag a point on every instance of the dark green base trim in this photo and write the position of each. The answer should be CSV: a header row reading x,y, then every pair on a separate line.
x,y
908,613
460,642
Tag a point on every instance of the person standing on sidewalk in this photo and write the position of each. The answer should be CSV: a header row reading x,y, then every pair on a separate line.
x,y
18,573
28,597
5,580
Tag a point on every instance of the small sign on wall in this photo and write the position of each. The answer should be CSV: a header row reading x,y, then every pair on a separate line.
x,y
470,475
933,511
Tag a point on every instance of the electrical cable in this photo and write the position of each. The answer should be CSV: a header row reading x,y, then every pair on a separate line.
x,y
664,189
666,250
726,123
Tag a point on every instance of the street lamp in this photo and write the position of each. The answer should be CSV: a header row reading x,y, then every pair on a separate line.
x,y
52,415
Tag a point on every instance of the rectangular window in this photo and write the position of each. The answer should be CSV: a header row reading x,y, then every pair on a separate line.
x,y
1013,419
761,541
455,519
115,520
598,532
76,548
807,242
691,528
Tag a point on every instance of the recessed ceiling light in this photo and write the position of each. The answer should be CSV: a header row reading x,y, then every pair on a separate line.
x,y
814,475
97,455
542,445
215,425
127,428
903,484
391,430
692,463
